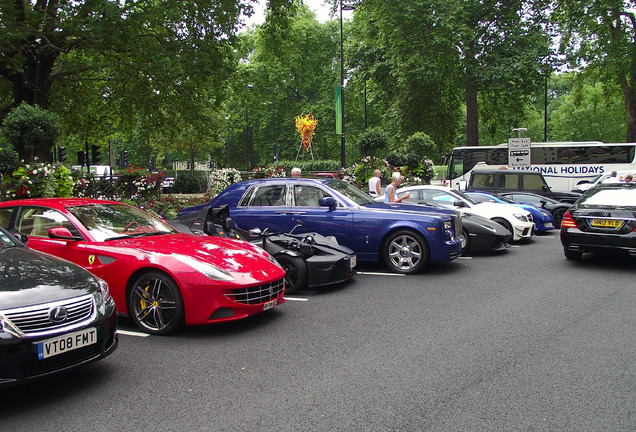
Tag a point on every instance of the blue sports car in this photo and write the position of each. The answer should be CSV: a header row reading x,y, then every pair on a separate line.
x,y
407,239
543,219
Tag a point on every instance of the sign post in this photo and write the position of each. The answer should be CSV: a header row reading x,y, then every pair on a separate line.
x,y
519,152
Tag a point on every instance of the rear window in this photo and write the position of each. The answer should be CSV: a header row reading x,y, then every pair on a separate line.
x,y
615,197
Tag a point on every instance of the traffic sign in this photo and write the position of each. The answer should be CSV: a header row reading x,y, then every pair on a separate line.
x,y
519,152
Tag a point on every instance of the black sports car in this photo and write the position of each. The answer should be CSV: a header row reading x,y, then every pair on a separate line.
x,y
54,315
309,259
603,220
557,208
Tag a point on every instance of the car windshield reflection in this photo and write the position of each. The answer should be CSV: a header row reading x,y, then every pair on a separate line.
x,y
351,192
115,221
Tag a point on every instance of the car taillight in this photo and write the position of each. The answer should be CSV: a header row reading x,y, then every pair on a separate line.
x,y
568,221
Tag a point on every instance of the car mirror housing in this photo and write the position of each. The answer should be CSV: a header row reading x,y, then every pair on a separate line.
x,y
328,202
62,233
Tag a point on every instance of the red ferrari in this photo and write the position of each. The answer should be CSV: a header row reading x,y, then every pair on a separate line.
x,y
161,278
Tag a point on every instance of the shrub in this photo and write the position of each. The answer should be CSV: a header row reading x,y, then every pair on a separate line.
x,y
30,130
38,180
374,142
222,178
188,182
9,161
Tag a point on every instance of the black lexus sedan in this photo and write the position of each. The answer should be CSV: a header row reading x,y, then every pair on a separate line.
x,y
54,315
603,221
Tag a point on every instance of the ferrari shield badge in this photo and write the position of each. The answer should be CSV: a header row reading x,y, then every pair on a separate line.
x,y
91,259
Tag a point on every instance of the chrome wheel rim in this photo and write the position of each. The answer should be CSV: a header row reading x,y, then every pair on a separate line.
x,y
154,304
405,252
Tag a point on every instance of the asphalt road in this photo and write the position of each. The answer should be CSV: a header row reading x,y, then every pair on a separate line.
x,y
522,341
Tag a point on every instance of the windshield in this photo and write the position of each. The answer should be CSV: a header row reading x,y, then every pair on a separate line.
x,y
351,192
610,197
116,221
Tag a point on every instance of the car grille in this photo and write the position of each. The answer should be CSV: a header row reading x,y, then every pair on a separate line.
x,y
35,320
258,294
33,368
457,219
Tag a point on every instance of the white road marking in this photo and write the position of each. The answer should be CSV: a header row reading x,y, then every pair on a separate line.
x,y
466,258
380,274
131,333
301,299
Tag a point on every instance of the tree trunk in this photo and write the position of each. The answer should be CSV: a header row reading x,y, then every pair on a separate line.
x,y
629,94
472,112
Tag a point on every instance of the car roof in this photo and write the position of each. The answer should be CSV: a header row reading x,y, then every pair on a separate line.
x,y
58,203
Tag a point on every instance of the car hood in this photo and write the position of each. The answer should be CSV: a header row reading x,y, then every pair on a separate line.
x,y
244,261
490,210
408,208
30,278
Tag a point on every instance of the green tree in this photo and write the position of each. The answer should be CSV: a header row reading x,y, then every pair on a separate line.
x,y
600,35
31,131
374,142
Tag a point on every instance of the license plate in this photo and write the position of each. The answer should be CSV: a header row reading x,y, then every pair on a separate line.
x,y
353,261
269,304
68,342
606,223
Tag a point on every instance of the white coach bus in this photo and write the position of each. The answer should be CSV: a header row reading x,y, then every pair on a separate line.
x,y
563,164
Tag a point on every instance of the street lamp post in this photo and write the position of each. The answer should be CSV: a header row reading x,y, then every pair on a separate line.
x,y
343,161
247,130
227,142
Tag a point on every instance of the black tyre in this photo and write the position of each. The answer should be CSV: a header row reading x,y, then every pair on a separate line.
x,y
558,217
405,252
155,304
295,272
504,223
572,255
467,237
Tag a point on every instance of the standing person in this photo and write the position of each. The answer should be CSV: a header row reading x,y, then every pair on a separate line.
x,y
612,178
295,172
628,178
390,191
374,183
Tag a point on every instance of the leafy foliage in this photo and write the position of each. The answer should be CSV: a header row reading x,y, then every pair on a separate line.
x,y
374,142
190,182
31,131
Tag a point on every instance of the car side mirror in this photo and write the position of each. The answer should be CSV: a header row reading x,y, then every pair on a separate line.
x,y
545,188
62,233
328,202
459,203
24,239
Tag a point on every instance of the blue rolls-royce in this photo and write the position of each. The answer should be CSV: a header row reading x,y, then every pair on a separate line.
x,y
406,239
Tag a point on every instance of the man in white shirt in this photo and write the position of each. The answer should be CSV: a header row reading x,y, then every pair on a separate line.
x,y
374,183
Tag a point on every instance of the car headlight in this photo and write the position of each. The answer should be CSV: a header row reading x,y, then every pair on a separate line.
x,y
448,225
521,217
204,268
544,213
102,296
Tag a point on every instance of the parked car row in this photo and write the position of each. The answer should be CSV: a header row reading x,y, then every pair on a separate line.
x,y
71,265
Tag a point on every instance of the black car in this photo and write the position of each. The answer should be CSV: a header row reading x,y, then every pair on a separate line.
x,y
557,208
499,181
603,220
54,315
309,259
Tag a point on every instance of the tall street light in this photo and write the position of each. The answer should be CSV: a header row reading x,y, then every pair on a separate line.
x,y
247,129
227,142
343,161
